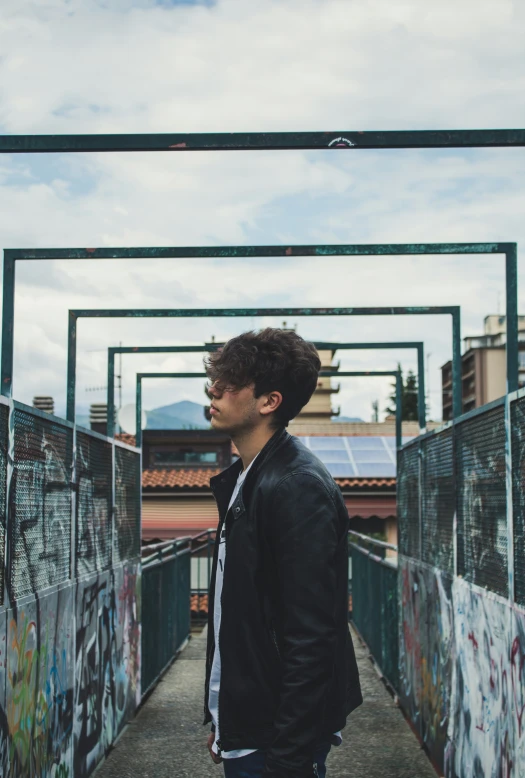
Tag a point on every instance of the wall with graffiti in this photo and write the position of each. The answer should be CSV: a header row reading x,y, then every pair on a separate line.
x,y
461,594
70,618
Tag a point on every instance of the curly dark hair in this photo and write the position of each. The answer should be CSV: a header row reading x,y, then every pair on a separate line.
x,y
273,360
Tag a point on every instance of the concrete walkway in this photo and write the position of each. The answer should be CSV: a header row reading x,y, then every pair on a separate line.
x,y
167,739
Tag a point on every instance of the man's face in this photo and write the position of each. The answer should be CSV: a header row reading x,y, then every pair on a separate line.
x,y
234,410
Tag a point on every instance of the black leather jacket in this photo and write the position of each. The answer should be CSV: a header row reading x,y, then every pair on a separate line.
x,y
289,676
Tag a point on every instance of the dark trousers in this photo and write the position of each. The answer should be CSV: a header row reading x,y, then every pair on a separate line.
x,y
252,766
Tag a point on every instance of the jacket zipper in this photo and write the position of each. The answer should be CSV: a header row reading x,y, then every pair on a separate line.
x,y
218,640
274,638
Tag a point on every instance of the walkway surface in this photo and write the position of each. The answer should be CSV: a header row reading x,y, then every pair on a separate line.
x,y
167,739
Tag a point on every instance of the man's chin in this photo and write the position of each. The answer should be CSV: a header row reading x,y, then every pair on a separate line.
x,y
220,425
216,423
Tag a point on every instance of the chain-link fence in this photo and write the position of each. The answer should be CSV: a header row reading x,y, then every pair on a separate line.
x,y
518,496
94,471
481,496
437,500
453,493
408,502
127,503
4,437
73,506
39,517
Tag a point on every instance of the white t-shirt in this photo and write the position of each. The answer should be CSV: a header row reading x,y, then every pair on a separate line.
x,y
215,676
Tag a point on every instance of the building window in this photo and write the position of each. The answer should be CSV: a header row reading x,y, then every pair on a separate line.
x,y
181,457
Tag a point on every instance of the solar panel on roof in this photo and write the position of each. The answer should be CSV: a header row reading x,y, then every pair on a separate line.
x,y
355,457
367,455
318,444
368,443
391,442
332,456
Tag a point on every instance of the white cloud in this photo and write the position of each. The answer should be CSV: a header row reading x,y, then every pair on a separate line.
x,y
256,65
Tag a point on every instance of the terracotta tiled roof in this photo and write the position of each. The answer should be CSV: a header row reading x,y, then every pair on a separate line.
x,y
177,478
199,478
125,437
199,604
345,483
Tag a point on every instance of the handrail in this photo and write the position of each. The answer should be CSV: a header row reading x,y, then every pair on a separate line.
x,y
165,551
206,532
388,561
162,544
373,541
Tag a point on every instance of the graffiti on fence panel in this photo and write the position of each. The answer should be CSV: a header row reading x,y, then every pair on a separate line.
x,y
409,639
39,687
426,651
127,643
94,692
94,467
437,659
41,514
107,662
488,706
4,729
93,543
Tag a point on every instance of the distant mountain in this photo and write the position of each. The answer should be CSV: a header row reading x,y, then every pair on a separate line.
x,y
184,415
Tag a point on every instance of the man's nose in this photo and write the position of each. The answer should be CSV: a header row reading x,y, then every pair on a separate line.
x,y
214,390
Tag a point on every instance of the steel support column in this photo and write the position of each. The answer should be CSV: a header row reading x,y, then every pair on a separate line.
x,y
511,274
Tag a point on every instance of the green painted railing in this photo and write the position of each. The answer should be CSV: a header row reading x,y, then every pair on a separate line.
x,y
202,546
166,574
374,602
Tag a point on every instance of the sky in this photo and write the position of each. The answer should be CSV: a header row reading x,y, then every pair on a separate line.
x,y
95,66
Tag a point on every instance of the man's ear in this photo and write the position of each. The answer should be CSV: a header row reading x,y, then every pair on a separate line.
x,y
271,402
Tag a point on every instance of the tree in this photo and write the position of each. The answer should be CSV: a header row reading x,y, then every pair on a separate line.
x,y
408,397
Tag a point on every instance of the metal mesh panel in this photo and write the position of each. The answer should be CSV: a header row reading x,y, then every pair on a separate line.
x,y
375,610
127,504
518,495
40,504
94,500
438,500
4,426
408,500
482,501
165,614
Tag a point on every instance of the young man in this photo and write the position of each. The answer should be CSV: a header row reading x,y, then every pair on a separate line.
x,y
281,674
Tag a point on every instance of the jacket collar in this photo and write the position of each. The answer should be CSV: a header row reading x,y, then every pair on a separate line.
x,y
222,485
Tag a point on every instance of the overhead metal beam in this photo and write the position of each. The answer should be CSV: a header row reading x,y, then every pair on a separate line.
x,y
285,250
261,141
